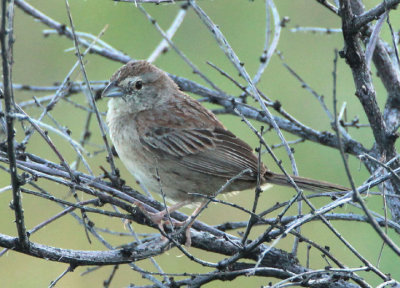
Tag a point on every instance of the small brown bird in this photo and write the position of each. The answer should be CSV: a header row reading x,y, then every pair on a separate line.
x,y
164,136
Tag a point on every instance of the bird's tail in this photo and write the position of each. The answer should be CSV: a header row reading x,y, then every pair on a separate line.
x,y
303,183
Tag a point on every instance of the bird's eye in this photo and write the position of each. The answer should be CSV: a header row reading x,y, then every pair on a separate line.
x,y
138,85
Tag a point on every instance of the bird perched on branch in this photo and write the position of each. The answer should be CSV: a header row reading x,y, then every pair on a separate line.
x,y
168,140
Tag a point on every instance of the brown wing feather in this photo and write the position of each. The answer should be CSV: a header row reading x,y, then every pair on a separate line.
x,y
178,142
195,139
216,152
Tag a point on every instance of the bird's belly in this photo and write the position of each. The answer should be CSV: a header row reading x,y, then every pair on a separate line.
x,y
157,175
140,165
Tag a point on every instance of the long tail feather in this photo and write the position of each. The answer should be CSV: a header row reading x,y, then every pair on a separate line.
x,y
303,183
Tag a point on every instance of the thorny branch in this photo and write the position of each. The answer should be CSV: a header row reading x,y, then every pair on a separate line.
x,y
7,40
265,260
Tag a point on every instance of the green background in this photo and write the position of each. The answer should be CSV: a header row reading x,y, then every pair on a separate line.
x,y
43,61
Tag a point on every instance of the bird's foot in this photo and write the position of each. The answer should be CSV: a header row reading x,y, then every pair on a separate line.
x,y
158,219
188,223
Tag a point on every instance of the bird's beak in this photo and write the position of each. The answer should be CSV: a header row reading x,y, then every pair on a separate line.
x,y
112,90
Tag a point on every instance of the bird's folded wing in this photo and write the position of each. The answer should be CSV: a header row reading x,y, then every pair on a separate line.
x,y
216,152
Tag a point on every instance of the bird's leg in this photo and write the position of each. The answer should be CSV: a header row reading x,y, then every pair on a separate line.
x,y
157,218
189,222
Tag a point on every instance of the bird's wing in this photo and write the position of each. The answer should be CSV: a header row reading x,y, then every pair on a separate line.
x,y
215,152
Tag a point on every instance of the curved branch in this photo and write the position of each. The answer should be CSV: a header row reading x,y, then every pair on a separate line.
x,y
78,257
374,13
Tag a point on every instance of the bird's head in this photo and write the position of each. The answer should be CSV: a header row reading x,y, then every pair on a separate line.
x,y
138,86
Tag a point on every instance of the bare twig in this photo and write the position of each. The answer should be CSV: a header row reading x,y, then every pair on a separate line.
x,y
69,269
163,46
369,51
115,174
269,51
7,40
329,5
316,30
374,13
63,30
356,194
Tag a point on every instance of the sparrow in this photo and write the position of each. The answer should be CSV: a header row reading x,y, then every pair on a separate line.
x,y
171,143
